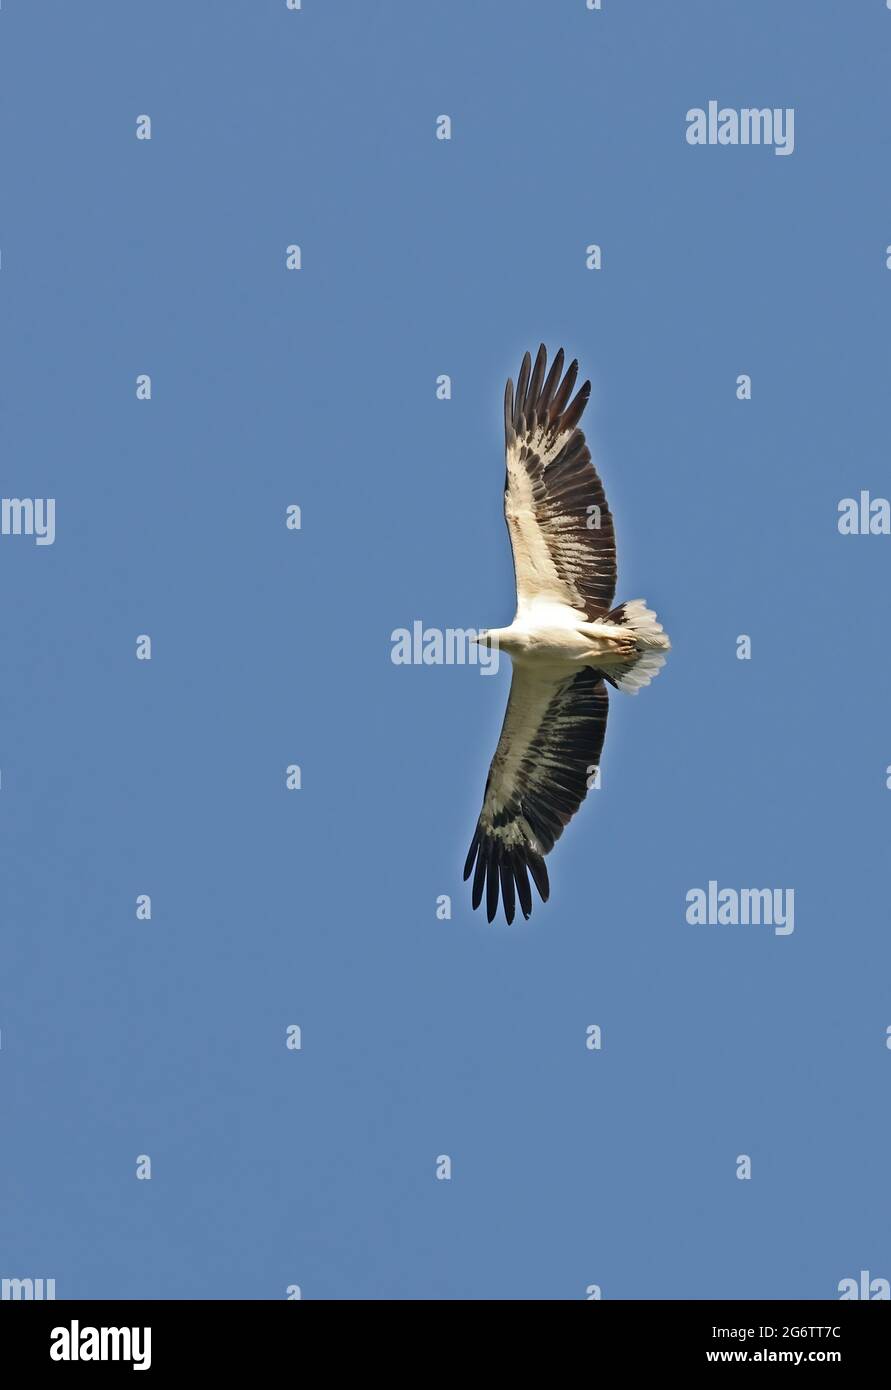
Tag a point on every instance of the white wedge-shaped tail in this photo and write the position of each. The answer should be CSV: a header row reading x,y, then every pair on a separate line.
x,y
650,642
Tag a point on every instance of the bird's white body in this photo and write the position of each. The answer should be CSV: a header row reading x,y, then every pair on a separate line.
x,y
554,637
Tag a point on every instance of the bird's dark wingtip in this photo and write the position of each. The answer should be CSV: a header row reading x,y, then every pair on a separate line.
x,y
479,879
507,886
538,870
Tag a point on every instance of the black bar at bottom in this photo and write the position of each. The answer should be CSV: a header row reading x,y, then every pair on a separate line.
x,y
69,1337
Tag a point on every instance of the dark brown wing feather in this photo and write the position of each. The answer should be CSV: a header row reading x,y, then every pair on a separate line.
x,y
551,740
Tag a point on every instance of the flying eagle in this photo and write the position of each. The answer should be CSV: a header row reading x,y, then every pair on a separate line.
x,y
566,642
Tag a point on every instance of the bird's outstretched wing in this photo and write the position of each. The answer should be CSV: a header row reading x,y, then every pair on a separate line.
x,y
550,742
561,529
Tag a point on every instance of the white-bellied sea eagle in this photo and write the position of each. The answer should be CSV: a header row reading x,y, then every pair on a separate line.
x,y
566,643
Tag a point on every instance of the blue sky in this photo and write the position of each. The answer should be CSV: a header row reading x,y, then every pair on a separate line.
x,y
118,777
